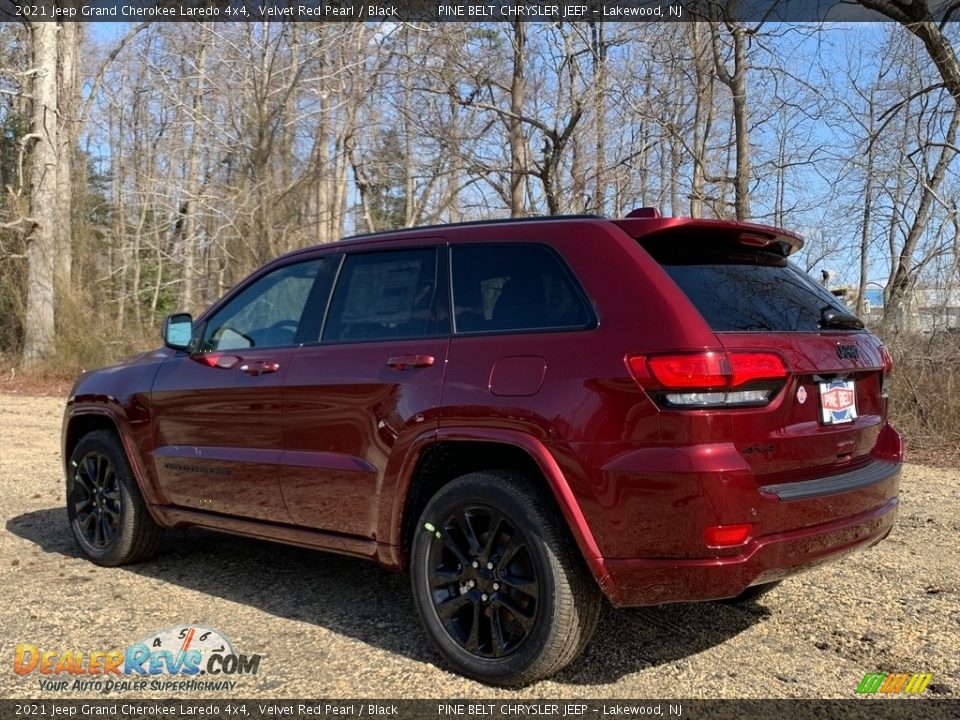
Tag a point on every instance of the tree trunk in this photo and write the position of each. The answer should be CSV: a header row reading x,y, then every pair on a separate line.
x,y
69,48
120,219
43,235
702,118
517,168
600,110
676,157
867,219
736,81
741,182
192,201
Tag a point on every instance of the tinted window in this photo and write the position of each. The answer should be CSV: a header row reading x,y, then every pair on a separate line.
x,y
747,297
500,288
269,312
386,295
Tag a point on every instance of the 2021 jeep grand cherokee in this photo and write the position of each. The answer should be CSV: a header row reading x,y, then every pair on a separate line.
x,y
529,415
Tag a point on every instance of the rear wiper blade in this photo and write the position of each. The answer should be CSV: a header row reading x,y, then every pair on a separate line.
x,y
832,318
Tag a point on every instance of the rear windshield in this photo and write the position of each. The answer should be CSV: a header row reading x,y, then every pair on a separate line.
x,y
754,296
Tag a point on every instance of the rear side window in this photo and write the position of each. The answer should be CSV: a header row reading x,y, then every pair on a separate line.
x,y
386,295
514,287
737,296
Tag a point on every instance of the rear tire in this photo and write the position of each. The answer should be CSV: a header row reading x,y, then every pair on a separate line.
x,y
499,583
108,516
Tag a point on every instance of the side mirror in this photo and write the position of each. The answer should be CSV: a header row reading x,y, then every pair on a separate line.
x,y
178,331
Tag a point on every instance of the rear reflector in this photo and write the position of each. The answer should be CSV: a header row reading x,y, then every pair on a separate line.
x,y
726,535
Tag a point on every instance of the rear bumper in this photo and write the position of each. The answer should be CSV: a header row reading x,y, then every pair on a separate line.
x,y
764,559
874,473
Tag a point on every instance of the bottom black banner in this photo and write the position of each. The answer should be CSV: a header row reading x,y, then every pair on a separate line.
x,y
892,709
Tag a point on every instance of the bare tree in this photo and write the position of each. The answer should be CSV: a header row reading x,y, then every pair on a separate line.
x,y
189,210
736,80
44,233
514,120
917,18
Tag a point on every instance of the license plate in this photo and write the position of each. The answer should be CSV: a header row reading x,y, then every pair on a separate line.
x,y
838,402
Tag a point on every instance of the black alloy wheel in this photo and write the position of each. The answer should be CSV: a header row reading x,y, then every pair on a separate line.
x,y
485,587
499,584
96,499
108,516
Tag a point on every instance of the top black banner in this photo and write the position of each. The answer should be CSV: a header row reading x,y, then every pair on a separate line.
x,y
543,11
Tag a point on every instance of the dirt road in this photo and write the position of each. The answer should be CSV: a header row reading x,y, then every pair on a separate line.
x,y
339,628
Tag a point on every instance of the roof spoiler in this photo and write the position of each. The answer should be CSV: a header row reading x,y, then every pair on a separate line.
x,y
644,224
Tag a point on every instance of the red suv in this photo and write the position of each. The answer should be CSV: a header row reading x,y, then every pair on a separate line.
x,y
530,415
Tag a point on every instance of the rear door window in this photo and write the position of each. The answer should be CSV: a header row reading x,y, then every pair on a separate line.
x,y
515,287
387,295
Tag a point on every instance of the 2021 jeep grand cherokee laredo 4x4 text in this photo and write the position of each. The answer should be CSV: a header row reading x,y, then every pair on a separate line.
x,y
529,415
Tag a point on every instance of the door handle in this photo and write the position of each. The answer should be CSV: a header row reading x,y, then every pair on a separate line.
x,y
259,368
405,362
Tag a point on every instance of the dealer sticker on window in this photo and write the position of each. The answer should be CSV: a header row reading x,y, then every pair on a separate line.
x,y
838,401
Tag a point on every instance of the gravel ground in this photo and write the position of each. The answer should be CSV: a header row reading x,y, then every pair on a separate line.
x,y
341,628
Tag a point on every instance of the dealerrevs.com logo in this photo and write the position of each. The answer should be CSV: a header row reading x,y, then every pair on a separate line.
x,y
178,659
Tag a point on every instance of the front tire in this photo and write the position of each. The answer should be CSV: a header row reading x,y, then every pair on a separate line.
x,y
498,582
108,516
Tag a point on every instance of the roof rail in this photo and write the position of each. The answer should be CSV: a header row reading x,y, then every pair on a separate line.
x,y
469,223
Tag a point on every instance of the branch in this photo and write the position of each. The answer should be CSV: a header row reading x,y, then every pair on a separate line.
x,y
890,9
911,98
891,112
19,221
948,12
543,127
98,78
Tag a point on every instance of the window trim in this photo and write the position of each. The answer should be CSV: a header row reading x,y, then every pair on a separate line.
x,y
326,307
593,321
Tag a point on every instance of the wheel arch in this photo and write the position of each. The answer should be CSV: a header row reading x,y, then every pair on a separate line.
x,y
436,460
81,424
82,420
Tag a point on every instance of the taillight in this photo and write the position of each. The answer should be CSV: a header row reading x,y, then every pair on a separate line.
x,y
887,368
714,378
704,370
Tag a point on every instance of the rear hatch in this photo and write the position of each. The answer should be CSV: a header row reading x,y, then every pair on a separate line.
x,y
823,411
